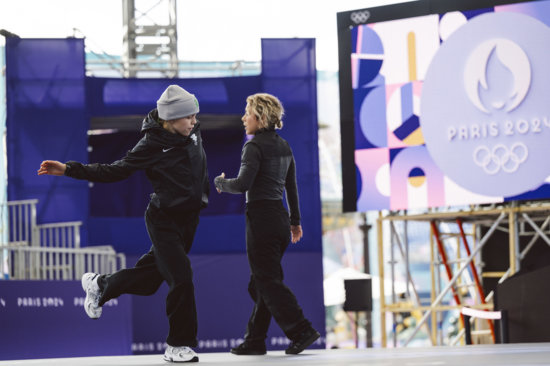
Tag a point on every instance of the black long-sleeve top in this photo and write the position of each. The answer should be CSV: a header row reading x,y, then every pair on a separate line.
x,y
174,164
267,170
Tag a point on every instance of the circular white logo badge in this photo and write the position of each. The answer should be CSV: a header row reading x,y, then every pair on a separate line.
x,y
485,105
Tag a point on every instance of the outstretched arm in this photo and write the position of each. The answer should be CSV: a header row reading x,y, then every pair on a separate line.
x,y
250,164
140,157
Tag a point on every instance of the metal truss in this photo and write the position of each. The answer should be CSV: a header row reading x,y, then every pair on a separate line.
x,y
526,220
150,48
150,37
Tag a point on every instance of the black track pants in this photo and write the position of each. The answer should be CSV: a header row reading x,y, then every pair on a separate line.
x,y
267,237
172,237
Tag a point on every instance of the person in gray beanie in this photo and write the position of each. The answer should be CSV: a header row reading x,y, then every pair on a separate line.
x,y
175,103
172,155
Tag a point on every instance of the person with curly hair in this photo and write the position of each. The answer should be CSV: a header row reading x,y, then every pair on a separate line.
x,y
267,172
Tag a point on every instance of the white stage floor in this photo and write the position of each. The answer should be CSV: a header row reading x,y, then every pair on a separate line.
x,y
475,355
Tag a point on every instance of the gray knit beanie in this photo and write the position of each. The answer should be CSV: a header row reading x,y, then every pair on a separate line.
x,y
176,103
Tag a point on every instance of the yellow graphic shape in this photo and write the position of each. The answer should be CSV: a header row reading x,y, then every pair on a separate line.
x,y
414,138
411,48
417,181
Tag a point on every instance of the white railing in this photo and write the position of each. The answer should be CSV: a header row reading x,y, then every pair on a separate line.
x,y
29,251
21,219
58,235
42,263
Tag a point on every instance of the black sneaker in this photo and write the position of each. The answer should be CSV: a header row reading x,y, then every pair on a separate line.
x,y
304,340
249,349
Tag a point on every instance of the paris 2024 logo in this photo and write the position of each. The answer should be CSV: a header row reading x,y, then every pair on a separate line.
x,y
485,107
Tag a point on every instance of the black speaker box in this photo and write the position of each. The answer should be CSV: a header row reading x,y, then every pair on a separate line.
x,y
525,296
358,295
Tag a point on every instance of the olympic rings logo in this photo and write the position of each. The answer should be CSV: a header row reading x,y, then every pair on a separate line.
x,y
360,17
500,157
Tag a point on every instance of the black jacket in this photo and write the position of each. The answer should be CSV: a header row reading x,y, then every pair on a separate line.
x,y
267,170
174,164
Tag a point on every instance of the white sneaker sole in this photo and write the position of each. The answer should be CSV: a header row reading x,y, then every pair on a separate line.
x,y
88,303
170,359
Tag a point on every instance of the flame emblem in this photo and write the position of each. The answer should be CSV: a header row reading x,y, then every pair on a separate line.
x,y
512,57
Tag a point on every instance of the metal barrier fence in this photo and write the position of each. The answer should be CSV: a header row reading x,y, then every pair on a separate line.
x,y
21,221
43,263
58,235
29,251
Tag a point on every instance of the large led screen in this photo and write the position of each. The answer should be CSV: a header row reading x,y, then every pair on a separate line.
x,y
445,106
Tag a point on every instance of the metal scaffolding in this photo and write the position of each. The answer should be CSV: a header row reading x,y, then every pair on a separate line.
x,y
150,48
150,37
526,220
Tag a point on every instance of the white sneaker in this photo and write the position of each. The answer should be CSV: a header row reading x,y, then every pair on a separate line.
x,y
180,354
93,293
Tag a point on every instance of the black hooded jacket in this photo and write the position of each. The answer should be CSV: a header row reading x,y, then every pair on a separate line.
x,y
174,164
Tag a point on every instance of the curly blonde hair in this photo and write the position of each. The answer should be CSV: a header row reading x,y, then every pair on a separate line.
x,y
267,108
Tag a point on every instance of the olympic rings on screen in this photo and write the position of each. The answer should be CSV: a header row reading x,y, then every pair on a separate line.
x,y
360,17
500,157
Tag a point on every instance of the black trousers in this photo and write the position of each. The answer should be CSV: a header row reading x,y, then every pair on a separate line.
x,y
267,237
172,236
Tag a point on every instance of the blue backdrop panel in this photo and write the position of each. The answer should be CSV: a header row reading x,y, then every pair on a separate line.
x,y
116,97
288,71
46,119
45,319
224,306
215,234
